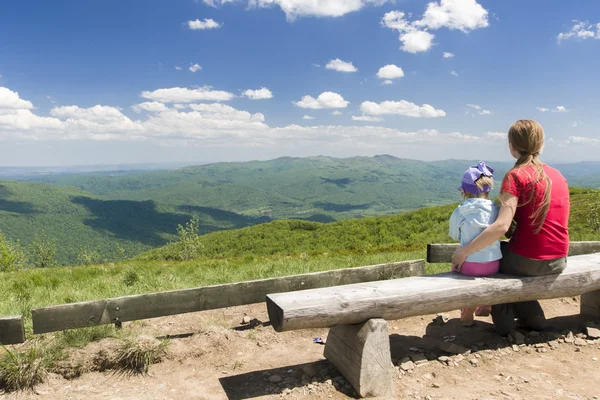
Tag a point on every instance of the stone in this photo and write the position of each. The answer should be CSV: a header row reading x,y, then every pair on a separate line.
x,y
246,319
275,379
453,348
436,385
474,362
553,343
539,345
593,332
518,338
443,359
580,342
581,336
441,319
407,366
542,350
515,348
427,377
569,338
309,370
459,358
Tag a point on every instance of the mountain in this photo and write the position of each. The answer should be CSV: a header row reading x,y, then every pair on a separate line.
x,y
80,221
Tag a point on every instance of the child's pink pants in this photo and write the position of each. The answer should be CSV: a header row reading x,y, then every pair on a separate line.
x,y
479,268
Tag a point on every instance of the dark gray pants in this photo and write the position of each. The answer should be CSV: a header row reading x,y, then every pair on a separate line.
x,y
529,313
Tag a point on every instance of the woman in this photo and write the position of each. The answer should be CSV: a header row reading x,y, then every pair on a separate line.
x,y
536,196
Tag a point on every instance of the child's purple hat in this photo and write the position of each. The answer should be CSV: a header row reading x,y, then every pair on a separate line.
x,y
472,174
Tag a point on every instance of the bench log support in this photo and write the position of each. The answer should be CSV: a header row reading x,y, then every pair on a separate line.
x,y
362,355
590,306
12,330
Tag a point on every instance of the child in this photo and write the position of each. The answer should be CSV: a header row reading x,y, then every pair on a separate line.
x,y
469,219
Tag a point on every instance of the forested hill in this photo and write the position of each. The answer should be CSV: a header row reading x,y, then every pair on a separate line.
x,y
316,188
82,225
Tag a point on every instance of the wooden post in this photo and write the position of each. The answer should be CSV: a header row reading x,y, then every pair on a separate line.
x,y
12,330
362,355
590,306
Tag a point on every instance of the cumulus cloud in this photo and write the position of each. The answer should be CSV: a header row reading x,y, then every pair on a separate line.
x,y
10,99
150,106
259,94
337,113
496,136
583,140
401,107
178,68
542,109
325,100
581,30
195,68
453,73
479,109
341,66
308,117
315,8
367,118
387,82
447,55
207,23
389,72
560,109
463,15
185,95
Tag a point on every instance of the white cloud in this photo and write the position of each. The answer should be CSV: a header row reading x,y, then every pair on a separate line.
x,y
195,68
178,68
463,15
448,55
496,136
390,71
315,8
259,94
387,82
207,23
217,3
479,109
453,73
341,66
582,140
316,65
542,109
337,113
10,99
150,106
560,109
308,117
401,107
325,100
366,118
185,95
581,30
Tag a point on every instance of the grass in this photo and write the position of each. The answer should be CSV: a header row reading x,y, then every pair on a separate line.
x,y
136,356
22,370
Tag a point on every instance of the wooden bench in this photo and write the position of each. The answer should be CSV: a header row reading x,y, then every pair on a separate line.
x,y
358,341
12,330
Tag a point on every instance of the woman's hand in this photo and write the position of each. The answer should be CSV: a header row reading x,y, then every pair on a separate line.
x,y
458,258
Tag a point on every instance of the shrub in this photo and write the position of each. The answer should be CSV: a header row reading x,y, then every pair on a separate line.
x,y
136,356
188,243
12,256
88,256
42,252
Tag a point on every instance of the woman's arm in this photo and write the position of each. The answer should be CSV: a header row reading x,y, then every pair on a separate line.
x,y
491,233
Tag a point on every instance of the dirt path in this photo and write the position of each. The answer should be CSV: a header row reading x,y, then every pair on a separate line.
x,y
208,359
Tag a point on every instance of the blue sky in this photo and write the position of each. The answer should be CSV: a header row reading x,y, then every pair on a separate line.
x,y
96,82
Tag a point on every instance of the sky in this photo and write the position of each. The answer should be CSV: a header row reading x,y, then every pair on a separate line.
x,y
105,82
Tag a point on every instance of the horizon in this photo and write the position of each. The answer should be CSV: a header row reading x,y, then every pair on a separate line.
x,y
215,80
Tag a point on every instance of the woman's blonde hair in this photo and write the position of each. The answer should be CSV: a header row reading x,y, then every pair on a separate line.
x,y
483,182
527,138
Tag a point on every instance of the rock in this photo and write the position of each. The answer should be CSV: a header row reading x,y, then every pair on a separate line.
x,y
593,332
569,338
418,358
581,336
515,348
443,359
459,358
517,338
542,350
287,391
441,319
474,362
539,345
309,370
407,366
594,358
578,350
580,342
275,379
525,380
436,385
453,348
553,343
427,377
246,319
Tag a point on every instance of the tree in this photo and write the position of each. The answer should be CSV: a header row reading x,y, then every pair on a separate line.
x,y
12,256
188,244
42,251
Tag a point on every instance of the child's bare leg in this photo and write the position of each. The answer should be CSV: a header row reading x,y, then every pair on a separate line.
x,y
466,316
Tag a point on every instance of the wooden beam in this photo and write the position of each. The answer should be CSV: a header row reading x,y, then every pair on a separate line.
x,y
401,298
442,253
362,355
152,305
12,330
590,306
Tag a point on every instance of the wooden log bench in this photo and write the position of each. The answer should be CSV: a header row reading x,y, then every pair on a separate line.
x,y
358,342
12,330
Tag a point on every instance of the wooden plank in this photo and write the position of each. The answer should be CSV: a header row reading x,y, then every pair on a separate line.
x,y
442,253
590,306
401,298
362,355
152,305
12,330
